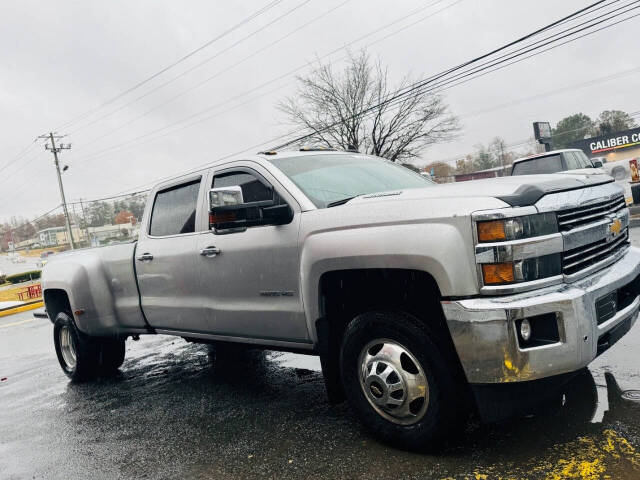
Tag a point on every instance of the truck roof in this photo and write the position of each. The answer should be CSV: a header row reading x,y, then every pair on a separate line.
x,y
545,154
304,153
259,157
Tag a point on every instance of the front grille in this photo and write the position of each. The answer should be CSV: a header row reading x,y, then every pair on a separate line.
x,y
582,257
573,217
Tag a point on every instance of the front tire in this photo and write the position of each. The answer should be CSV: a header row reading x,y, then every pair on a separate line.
x,y
397,380
82,357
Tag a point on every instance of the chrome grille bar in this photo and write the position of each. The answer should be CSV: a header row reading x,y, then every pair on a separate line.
x,y
570,218
575,260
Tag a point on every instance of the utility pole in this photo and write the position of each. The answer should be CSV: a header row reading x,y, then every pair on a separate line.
x,y
55,151
86,225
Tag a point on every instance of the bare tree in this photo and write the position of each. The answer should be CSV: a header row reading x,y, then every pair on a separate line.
x,y
358,109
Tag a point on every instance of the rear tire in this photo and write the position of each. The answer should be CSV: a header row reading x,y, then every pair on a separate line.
x,y
397,380
82,357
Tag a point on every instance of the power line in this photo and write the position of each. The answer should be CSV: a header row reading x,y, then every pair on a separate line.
x,y
21,154
521,143
55,149
563,20
418,86
170,66
195,67
588,83
285,75
253,33
537,45
467,63
35,220
219,73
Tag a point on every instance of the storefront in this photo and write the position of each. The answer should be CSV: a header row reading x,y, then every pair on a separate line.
x,y
616,146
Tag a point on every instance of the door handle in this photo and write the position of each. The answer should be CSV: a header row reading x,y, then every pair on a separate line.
x,y
210,252
145,257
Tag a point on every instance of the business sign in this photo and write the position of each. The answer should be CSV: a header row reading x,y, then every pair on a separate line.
x,y
609,143
542,130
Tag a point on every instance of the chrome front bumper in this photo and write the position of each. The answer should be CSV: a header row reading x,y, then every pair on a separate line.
x,y
484,329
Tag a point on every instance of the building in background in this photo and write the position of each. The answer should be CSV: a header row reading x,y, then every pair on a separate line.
x,y
623,145
49,236
112,233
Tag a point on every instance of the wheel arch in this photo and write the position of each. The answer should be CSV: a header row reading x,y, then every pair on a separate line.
x,y
56,300
344,294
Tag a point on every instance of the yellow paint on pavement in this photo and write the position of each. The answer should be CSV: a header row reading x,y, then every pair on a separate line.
x,y
21,308
603,456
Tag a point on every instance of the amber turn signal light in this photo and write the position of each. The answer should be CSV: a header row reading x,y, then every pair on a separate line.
x,y
494,273
491,231
222,217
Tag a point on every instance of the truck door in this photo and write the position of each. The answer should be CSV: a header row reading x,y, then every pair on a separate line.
x,y
250,277
166,255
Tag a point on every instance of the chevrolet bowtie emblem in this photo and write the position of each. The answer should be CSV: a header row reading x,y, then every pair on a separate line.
x,y
615,227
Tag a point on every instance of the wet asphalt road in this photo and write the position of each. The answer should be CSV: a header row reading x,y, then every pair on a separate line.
x,y
175,412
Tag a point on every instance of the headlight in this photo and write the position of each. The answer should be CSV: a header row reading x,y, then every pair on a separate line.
x,y
521,270
516,228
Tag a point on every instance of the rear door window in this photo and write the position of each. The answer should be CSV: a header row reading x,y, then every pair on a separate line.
x,y
174,210
549,164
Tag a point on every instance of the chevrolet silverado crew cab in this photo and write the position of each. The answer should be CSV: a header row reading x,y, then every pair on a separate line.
x,y
573,160
423,301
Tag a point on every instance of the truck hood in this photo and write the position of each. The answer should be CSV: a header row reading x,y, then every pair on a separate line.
x,y
516,191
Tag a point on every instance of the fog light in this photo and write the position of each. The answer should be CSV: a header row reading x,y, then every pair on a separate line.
x,y
525,330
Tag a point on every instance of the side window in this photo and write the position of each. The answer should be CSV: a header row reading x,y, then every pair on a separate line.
x,y
253,190
174,210
584,160
573,161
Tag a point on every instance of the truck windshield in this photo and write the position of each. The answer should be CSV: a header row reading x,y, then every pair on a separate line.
x,y
328,179
549,164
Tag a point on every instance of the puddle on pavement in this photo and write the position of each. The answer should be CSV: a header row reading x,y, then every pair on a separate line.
x,y
295,360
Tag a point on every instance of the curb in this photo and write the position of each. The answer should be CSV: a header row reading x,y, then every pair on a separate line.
x,y
21,308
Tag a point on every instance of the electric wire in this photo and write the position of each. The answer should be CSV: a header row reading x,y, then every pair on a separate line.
x,y
257,13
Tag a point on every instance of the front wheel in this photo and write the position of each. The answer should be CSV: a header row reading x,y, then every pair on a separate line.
x,y
82,357
397,380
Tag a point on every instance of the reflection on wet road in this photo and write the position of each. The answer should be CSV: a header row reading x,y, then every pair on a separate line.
x,y
175,411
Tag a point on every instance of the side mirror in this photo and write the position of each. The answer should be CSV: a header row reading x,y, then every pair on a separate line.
x,y
228,211
225,196
597,164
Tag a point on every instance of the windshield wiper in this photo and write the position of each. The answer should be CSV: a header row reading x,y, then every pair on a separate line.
x,y
341,201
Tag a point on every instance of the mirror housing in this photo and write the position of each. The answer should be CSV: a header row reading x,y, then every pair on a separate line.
x,y
225,196
229,213
597,164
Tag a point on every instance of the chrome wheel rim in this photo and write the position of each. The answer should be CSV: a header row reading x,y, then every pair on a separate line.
x,y
67,347
393,381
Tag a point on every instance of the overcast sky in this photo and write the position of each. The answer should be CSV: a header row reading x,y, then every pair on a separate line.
x,y
62,59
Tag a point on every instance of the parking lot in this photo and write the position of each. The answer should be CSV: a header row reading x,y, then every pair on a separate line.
x,y
7,267
176,412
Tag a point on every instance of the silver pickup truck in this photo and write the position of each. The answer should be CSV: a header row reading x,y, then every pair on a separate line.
x,y
423,301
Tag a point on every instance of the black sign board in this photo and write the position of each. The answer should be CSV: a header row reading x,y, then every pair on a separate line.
x,y
542,131
608,143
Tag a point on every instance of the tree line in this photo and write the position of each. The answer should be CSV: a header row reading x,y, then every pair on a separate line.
x,y
579,125
93,214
